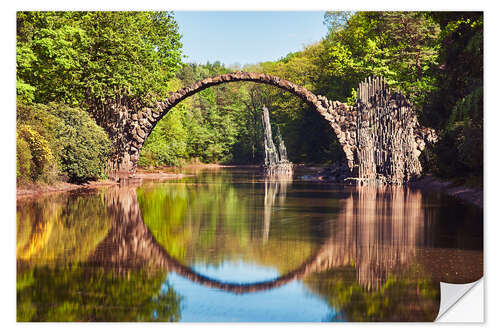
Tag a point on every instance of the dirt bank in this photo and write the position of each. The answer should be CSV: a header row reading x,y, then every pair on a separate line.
x,y
35,190
431,183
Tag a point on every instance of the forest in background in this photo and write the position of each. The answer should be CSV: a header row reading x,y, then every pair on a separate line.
x,y
74,68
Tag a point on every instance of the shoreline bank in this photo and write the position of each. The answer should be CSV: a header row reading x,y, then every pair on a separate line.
x,y
426,183
36,190
431,183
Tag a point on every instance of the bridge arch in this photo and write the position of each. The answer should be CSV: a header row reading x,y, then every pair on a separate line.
x,y
138,126
380,135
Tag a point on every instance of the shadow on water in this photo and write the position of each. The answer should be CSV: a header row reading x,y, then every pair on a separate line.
x,y
370,254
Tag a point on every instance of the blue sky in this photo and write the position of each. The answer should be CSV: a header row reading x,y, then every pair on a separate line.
x,y
247,37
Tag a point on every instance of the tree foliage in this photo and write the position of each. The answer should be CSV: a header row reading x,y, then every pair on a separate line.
x,y
100,60
56,140
457,106
401,46
93,59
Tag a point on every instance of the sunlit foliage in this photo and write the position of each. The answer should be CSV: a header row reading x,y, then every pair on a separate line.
x,y
55,141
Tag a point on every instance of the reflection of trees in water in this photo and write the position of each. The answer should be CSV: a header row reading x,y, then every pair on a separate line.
x,y
60,227
407,296
215,222
384,284
131,244
55,281
80,293
377,231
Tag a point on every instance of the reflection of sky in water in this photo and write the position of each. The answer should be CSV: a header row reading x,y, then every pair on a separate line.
x,y
291,302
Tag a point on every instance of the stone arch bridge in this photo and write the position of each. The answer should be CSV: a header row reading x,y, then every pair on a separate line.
x,y
380,135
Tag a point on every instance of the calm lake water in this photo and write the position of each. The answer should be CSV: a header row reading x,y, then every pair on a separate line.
x,y
226,245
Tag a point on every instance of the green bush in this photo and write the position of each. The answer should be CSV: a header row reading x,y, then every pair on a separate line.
x,y
84,146
23,157
58,140
42,160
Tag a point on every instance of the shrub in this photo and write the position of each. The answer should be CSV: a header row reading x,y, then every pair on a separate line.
x,y
39,118
23,157
41,157
85,147
59,140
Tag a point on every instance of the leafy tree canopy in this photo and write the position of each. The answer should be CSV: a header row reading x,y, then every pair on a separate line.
x,y
94,59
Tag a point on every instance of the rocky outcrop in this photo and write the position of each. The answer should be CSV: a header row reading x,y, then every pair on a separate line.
x,y
336,172
388,137
276,163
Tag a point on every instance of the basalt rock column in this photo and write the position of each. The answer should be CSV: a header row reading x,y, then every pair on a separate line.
x,y
389,138
281,147
271,157
275,164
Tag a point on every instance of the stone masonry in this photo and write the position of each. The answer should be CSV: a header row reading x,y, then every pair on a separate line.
x,y
380,135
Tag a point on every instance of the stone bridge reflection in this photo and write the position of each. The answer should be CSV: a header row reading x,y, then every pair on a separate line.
x,y
377,232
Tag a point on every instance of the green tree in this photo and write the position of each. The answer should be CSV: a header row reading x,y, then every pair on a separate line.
x,y
96,60
457,106
92,61
401,46
209,117
167,144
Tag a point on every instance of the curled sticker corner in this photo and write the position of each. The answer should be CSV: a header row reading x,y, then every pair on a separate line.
x,y
451,294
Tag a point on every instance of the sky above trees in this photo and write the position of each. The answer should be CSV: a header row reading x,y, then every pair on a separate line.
x,y
247,37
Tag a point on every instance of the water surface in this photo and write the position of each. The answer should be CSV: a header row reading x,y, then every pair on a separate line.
x,y
227,245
